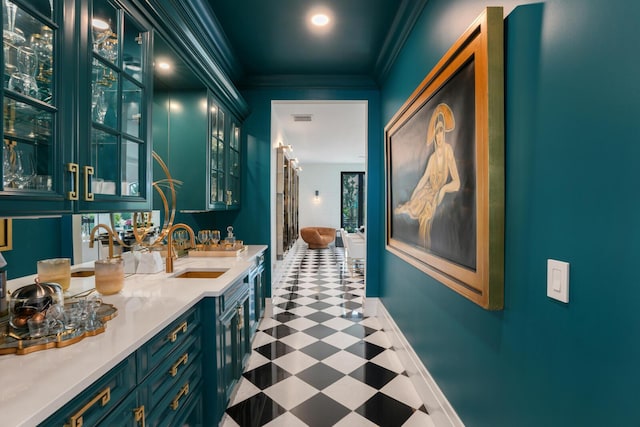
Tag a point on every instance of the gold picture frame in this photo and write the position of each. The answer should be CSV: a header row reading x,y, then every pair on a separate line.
x,y
444,160
5,235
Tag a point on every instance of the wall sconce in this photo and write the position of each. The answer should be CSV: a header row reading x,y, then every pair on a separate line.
x,y
317,194
284,147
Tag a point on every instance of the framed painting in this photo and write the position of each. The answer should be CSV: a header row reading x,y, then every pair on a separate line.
x,y
444,161
5,235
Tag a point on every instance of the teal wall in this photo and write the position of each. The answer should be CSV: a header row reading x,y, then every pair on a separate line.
x,y
572,104
254,219
35,239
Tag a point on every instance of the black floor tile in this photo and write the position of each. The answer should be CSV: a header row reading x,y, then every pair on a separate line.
x,y
274,350
319,305
319,317
359,331
320,331
385,411
320,411
266,375
255,411
287,305
320,375
374,375
365,349
319,350
285,316
280,331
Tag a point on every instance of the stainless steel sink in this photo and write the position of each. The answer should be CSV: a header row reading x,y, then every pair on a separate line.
x,y
200,274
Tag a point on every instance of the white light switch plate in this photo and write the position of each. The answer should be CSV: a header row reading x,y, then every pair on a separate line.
x,y
558,280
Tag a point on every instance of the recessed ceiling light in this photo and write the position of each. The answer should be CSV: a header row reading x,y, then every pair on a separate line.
x,y
320,20
164,66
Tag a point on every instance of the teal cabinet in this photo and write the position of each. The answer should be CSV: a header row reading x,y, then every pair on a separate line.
x,y
226,347
257,282
110,393
158,385
75,95
200,142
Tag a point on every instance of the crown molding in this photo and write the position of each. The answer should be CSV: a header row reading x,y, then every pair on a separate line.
x,y
402,25
305,81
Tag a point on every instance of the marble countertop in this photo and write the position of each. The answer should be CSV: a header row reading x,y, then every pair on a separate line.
x,y
37,384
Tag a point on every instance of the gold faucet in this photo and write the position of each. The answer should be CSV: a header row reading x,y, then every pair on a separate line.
x,y
110,233
174,227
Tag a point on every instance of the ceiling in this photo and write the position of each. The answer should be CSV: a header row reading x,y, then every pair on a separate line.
x,y
272,43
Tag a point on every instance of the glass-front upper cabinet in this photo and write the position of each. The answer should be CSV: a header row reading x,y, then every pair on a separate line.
x,y
31,155
115,162
224,154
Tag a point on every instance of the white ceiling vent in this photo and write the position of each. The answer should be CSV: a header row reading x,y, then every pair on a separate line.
x,y
301,117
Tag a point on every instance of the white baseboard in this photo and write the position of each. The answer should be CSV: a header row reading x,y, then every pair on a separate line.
x,y
438,407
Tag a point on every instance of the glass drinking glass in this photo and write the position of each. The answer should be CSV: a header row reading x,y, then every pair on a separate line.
x,y
8,168
203,237
25,169
215,237
109,275
56,270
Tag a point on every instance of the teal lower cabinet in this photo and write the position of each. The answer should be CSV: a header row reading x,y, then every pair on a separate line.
x,y
183,376
110,394
257,282
158,385
226,346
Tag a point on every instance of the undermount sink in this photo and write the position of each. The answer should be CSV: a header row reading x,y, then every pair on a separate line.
x,y
200,274
82,273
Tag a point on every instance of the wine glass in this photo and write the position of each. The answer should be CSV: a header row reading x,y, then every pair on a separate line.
x,y
8,168
203,237
25,169
215,237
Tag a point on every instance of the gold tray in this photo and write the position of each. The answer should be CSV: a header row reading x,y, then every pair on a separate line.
x,y
18,342
220,251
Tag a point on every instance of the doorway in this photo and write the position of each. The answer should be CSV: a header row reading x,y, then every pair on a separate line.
x,y
352,201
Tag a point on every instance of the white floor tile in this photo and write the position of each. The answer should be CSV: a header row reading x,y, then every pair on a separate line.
x,y
267,323
301,323
336,311
354,420
389,359
379,338
261,339
350,392
419,419
334,300
338,323
298,340
401,388
286,420
304,300
302,310
244,390
255,361
340,340
371,322
344,361
295,362
290,392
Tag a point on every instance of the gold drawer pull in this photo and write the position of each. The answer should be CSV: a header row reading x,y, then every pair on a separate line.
x,y
173,336
104,396
138,414
182,361
88,194
176,400
73,168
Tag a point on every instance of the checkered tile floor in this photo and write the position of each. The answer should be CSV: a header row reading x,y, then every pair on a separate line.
x,y
318,361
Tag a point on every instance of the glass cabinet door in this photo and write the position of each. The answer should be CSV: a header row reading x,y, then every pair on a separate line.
x,y
233,185
119,86
29,101
217,165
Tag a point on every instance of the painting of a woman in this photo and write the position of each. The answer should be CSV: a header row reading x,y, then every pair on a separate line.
x,y
440,176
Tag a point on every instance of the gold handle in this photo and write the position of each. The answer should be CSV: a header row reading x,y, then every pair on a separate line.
x,y
182,361
88,194
104,396
173,336
138,414
176,400
73,168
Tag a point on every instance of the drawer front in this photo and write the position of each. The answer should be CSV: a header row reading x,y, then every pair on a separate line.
x,y
163,380
232,295
166,342
174,404
126,414
99,399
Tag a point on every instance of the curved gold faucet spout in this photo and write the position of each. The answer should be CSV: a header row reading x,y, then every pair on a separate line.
x,y
192,239
112,235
